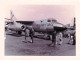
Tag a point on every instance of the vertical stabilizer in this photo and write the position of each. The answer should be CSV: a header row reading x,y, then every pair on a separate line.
x,y
11,15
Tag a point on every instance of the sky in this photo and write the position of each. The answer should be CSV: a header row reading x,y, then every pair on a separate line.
x,y
62,13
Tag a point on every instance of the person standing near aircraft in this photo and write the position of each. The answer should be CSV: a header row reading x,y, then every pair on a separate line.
x,y
59,38
70,38
74,39
53,44
26,34
31,34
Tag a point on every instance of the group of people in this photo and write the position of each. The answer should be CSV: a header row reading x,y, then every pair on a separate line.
x,y
72,39
57,37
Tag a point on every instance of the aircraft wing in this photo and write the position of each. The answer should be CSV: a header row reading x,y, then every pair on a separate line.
x,y
59,28
26,22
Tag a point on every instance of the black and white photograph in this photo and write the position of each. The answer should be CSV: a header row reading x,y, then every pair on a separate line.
x,y
40,30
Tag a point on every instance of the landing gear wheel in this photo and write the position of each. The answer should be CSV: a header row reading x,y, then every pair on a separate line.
x,y
48,37
19,32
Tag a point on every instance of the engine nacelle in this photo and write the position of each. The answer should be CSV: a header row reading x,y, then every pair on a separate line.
x,y
23,27
16,27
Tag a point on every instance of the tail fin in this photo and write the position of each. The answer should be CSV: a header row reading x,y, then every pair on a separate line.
x,y
12,18
11,15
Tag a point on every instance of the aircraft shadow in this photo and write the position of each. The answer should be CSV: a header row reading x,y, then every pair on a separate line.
x,y
36,36
16,35
41,37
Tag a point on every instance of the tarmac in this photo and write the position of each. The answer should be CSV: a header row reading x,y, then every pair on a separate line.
x,y
14,46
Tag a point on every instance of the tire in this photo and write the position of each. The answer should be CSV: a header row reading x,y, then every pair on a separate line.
x,y
19,32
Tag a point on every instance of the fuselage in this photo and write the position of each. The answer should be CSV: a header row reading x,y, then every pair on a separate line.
x,y
43,27
47,26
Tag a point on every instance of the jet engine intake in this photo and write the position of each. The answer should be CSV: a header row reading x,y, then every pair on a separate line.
x,y
23,27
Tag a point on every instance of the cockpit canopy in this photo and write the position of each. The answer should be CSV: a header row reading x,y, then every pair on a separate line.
x,y
51,20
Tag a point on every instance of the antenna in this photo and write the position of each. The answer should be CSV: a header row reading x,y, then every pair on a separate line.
x,y
74,23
